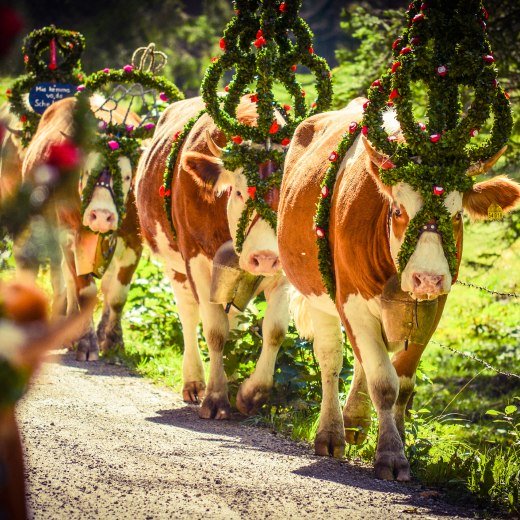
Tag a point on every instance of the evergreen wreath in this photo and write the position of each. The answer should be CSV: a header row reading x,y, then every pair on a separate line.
x,y
446,48
117,140
257,45
37,45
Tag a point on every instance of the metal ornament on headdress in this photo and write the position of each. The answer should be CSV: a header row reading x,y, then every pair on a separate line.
x,y
148,59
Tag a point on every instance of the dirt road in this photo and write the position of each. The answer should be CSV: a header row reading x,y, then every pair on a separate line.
x,y
102,443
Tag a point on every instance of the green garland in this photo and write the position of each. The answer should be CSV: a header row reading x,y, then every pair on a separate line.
x,y
127,147
13,383
71,45
445,47
257,45
117,140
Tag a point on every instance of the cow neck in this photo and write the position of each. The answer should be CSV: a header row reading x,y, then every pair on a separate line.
x,y
165,190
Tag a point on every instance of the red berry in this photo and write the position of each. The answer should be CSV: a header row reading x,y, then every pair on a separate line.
x,y
303,93
352,127
473,132
23,118
422,126
226,88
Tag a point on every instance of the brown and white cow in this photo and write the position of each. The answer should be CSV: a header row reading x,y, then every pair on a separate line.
x,y
207,202
11,152
26,335
99,217
368,221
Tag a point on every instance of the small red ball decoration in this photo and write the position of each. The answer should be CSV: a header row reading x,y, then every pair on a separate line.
x,y
237,139
260,42
311,50
365,105
285,141
293,68
352,127
435,138
333,157
320,232
274,127
422,126
287,108
325,192
222,44
251,191
394,94
283,7
364,130
488,58
128,68
253,98
438,190
396,43
473,132
395,66
418,18
442,70
405,50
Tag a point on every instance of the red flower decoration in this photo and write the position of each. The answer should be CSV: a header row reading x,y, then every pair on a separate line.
x,y
26,58
352,127
259,33
405,50
274,127
163,192
260,42
485,14
287,108
418,18
415,40
376,83
8,92
226,88
283,7
364,130
251,191
365,105
424,6
314,105
325,192
285,141
442,70
394,94
488,58
222,44
64,156
237,139
253,98
294,67
390,103
435,138
311,50
395,66
473,132
438,190
176,135
396,43
23,118
333,157
422,126
387,164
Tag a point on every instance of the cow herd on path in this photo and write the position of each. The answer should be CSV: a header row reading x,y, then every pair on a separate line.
x,y
367,227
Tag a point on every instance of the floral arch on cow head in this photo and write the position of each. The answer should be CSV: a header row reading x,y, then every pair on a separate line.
x,y
445,48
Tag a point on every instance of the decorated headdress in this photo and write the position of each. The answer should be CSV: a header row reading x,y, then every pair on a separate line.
x,y
445,48
53,69
263,44
136,88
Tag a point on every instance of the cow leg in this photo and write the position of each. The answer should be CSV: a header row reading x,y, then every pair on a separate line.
x,y
115,286
356,413
80,288
255,390
328,348
215,326
192,368
59,290
405,363
364,329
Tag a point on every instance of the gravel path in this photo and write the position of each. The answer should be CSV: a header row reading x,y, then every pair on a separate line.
x,y
103,443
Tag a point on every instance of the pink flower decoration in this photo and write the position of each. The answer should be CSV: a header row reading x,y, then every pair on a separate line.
x,y
113,145
320,232
149,126
163,96
129,128
106,70
128,68
80,88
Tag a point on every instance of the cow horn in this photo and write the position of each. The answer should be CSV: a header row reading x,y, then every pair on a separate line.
x,y
14,131
483,166
214,148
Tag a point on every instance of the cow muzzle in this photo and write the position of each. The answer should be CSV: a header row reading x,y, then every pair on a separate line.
x,y
427,286
264,263
100,220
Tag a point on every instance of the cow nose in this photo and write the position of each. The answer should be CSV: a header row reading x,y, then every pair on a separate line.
x,y
263,262
427,284
101,220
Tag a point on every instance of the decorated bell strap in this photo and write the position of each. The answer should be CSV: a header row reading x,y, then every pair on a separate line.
x,y
104,181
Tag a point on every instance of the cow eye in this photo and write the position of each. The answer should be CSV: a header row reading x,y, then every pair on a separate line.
x,y
458,215
239,193
397,212
127,178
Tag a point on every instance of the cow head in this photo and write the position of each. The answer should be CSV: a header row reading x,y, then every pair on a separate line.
x,y
259,253
100,214
427,274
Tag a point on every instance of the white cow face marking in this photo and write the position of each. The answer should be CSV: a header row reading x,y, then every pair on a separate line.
x,y
101,213
427,274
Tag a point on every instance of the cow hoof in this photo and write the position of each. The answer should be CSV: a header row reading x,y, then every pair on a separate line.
x,y
193,391
356,429
87,349
250,400
392,466
215,406
330,444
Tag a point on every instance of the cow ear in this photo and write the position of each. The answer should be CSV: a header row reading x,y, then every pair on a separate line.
x,y
499,190
377,160
207,170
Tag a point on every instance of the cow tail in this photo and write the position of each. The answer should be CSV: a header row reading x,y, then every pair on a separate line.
x,y
299,309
